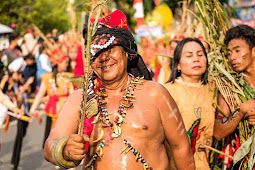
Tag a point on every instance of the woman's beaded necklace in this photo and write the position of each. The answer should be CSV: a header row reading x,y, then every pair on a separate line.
x,y
125,103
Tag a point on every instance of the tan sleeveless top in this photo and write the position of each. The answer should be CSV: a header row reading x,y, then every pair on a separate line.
x,y
195,101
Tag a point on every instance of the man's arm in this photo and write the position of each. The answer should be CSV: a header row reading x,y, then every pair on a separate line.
x,y
67,125
224,126
174,129
38,97
3,81
26,85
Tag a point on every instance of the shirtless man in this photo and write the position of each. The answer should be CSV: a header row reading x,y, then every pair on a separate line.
x,y
240,41
152,118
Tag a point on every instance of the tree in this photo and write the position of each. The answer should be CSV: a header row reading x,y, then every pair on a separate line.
x,y
46,14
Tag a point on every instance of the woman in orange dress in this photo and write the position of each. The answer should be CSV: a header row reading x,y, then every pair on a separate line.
x,y
57,86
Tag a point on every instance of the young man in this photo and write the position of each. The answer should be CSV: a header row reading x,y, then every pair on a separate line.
x,y
134,116
240,41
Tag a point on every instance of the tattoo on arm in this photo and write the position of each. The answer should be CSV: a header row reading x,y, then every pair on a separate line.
x,y
232,116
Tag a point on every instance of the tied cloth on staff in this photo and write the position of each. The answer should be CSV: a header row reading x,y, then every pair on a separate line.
x,y
113,30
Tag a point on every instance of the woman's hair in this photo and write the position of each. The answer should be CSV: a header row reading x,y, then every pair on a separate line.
x,y
177,56
55,70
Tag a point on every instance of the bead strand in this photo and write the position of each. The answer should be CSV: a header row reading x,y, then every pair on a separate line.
x,y
138,156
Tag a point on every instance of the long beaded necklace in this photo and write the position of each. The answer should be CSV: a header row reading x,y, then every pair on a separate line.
x,y
125,103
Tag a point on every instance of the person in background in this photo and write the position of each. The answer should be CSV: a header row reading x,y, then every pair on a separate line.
x,y
147,53
189,87
12,52
27,86
43,63
240,41
57,87
165,71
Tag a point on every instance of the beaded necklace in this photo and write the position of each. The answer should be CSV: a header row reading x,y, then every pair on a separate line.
x,y
125,103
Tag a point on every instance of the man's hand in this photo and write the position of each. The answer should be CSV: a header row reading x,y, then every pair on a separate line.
x,y
18,111
37,115
75,147
248,110
19,97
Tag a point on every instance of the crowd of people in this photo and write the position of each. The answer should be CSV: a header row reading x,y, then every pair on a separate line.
x,y
152,104
33,72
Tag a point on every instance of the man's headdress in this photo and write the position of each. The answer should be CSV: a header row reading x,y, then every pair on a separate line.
x,y
113,30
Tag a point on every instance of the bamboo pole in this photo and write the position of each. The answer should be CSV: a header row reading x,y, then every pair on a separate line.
x,y
215,150
163,55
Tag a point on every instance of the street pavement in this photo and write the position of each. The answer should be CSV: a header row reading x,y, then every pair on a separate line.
x,y
31,154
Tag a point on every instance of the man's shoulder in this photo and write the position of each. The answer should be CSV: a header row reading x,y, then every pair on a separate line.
x,y
78,93
154,89
76,97
149,83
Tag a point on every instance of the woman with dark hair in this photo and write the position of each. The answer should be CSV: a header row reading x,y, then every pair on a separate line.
x,y
189,88
57,87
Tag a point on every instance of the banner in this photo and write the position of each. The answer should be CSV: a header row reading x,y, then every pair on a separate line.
x,y
246,13
139,14
241,3
146,31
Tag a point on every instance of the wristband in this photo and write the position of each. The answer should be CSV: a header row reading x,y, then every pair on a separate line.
x,y
57,154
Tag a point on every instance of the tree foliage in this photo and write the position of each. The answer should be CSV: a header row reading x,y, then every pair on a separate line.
x,y
46,14
49,14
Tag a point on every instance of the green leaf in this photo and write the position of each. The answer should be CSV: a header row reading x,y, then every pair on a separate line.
x,y
251,160
78,81
243,150
230,77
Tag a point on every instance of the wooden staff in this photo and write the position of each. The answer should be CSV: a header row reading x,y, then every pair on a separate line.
x,y
86,62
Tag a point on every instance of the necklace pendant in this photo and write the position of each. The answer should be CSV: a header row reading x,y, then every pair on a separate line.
x,y
101,102
119,118
137,82
96,119
102,94
116,131
130,96
126,103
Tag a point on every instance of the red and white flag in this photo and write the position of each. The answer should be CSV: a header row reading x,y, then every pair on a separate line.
x,y
139,14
